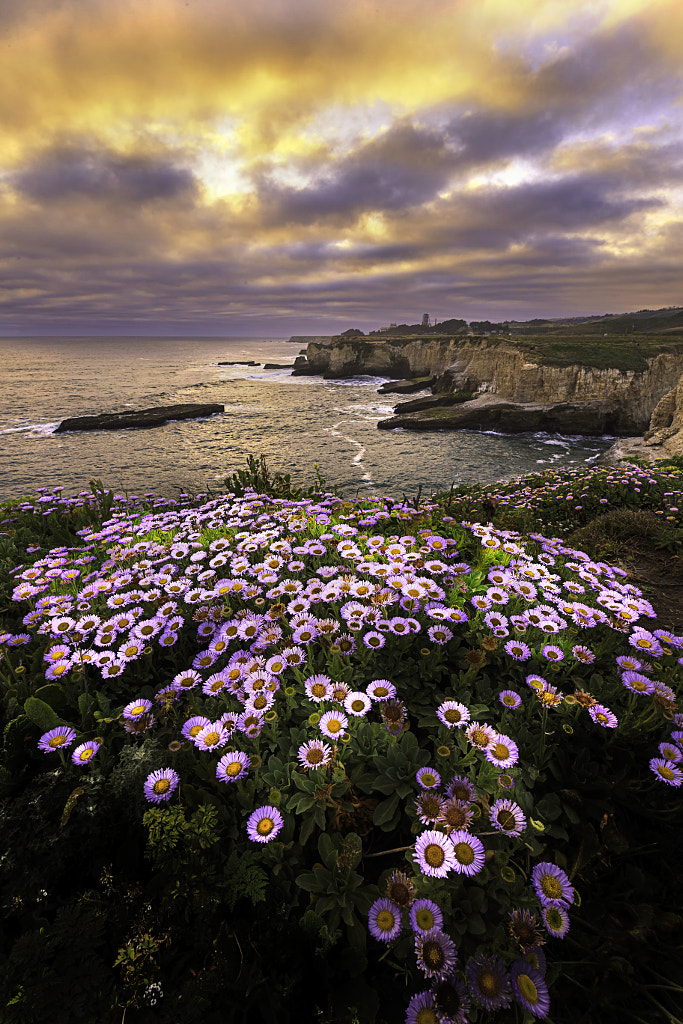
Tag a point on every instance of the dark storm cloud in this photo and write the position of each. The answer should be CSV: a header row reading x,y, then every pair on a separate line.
x,y
77,173
405,167
483,136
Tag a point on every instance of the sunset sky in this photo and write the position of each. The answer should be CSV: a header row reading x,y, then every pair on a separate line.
x,y
268,167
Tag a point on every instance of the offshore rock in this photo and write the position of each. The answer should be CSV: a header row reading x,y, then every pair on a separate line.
x,y
141,419
406,387
239,362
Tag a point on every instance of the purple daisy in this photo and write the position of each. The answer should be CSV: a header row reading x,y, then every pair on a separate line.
x,y
666,771
507,817
435,953
84,751
232,767
315,754
384,919
374,640
264,824
518,650
452,714
193,726
161,785
488,982
530,989
468,852
637,683
62,736
502,751
428,778
552,652
425,915
435,855
509,699
603,716
422,1007
332,724
556,920
136,709
551,884
380,689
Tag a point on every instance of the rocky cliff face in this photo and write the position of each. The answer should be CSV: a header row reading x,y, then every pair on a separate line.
x,y
482,365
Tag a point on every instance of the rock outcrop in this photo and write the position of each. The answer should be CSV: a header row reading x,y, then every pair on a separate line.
x,y
578,398
489,412
663,438
140,419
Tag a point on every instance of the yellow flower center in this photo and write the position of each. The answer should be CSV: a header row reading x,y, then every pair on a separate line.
x,y
453,715
424,919
211,738
85,755
318,690
551,887
161,786
381,691
234,768
385,920
334,725
265,826
489,982
665,772
480,738
464,853
314,756
57,741
506,819
432,954
434,855
500,751
357,705
527,988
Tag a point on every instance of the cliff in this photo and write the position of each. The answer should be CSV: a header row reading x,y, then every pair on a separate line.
x,y
663,438
622,400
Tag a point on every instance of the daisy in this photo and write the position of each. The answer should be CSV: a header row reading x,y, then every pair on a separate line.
x,y
428,806
455,814
357,703
435,855
506,816
380,690
488,982
671,752
460,788
603,716
636,682
468,852
480,735
232,767
211,737
318,687
428,778
453,714
193,726
384,919
551,884
425,915
161,785
137,708
502,751
435,953
518,650
530,989
509,699
62,736
315,754
666,771
332,724
264,824
84,751
556,920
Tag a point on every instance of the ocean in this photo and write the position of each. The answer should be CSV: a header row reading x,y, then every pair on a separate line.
x,y
293,421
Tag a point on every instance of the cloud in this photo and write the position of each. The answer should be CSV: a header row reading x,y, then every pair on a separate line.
x,y
82,173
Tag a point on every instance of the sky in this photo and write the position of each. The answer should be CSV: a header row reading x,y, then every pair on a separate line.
x,y
277,167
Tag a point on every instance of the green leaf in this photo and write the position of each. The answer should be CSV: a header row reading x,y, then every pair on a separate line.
x,y
41,714
53,694
385,810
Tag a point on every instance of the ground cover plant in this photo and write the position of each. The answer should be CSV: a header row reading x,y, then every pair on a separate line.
x,y
275,755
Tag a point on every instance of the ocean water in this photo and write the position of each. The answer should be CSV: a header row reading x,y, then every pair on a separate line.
x,y
294,421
